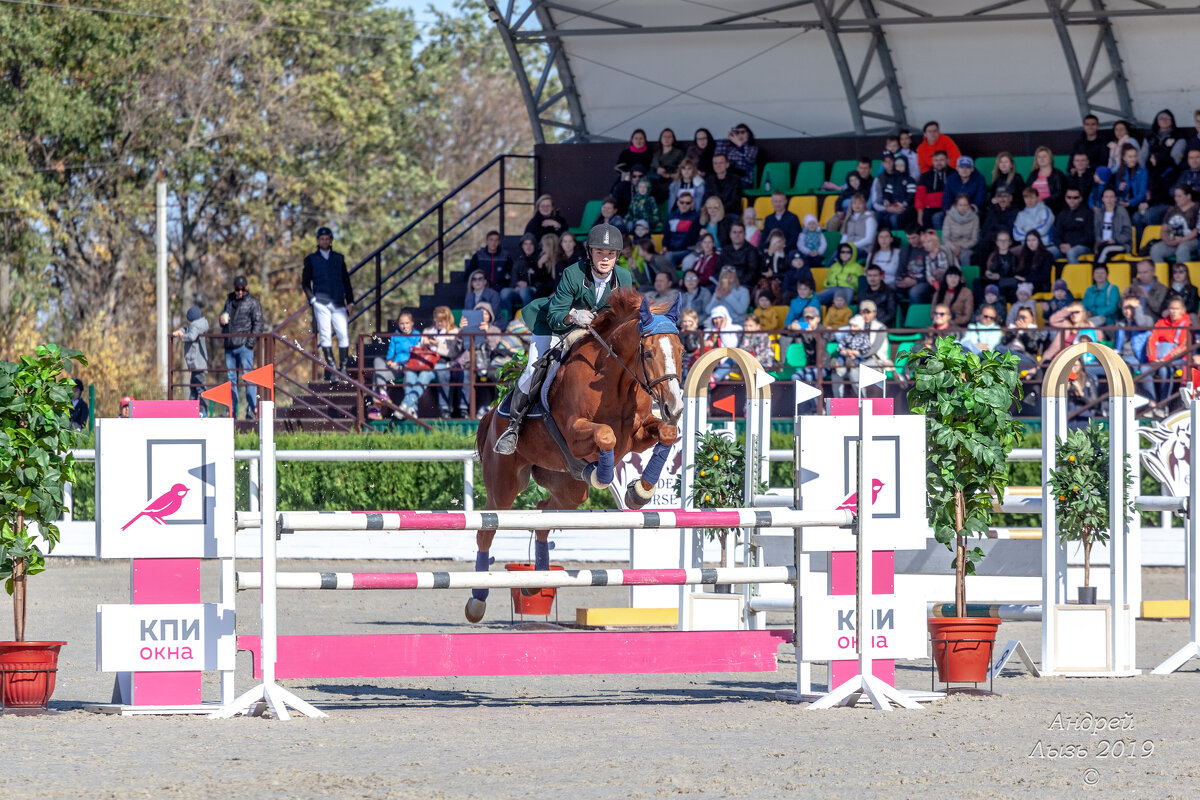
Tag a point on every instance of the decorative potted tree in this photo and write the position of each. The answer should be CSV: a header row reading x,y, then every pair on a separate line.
x,y
1080,480
35,463
719,482
966,399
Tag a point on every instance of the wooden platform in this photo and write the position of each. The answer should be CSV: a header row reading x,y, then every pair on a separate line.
x,y
567,653
1165,609
627,617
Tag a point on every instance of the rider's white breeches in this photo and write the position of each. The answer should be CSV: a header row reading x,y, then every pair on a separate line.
x,y
538,345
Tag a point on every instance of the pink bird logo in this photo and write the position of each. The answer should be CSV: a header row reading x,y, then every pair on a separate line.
x,y
851,502
162,506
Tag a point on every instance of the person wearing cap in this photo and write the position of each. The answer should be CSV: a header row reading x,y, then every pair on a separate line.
x,y
126,407
326,284
965,180
79,406
241,319
892,193
195,352
583,291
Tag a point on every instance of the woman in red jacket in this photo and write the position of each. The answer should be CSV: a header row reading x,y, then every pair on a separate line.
x,y
1168,344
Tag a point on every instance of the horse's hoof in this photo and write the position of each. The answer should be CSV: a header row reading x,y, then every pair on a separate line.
x,y
476,609
636,495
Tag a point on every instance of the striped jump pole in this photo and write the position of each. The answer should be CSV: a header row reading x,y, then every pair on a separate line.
x,y
290,521
551,579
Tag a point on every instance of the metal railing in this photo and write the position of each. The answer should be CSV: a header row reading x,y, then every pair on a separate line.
x,y
426,240
477,384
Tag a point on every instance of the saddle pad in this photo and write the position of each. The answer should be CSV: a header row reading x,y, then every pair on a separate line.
x,y
538,409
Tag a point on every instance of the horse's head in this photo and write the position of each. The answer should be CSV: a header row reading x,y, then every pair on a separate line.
x,y
662,358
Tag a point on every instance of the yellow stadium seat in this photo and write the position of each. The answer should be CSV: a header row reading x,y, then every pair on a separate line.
x,y
1149,234
658,240
1078,278
803,205
762,207
828,209
1163,270
819,274
1194,272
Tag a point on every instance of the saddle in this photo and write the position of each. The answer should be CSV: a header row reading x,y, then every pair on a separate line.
x,y
545,368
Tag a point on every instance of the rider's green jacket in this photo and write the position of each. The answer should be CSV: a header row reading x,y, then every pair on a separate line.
x,y
547,316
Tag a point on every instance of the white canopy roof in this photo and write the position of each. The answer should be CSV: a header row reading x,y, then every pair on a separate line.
x,y
824,67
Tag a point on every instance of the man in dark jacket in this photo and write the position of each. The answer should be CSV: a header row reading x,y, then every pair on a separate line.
x,y
965,180
1074,230
742,256
931,187
882,295
1000,217
724,184
242,316
492,261
326,284
1092,143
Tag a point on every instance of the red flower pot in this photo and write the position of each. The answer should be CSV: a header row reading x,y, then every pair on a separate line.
x,y
29,669
962,647
540,604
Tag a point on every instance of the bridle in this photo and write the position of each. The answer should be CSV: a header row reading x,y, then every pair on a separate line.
x,y
644,382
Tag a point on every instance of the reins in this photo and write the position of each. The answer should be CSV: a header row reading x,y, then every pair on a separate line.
x,y
645,384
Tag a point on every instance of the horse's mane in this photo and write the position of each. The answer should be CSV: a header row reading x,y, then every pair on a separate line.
x,y
623,306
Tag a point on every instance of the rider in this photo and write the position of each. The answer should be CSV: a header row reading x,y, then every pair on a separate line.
x,y
583,291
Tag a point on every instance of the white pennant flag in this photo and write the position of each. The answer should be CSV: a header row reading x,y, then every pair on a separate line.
x,y
868,377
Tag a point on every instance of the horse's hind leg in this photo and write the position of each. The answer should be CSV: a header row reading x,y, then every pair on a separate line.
x,y
502,484
566,494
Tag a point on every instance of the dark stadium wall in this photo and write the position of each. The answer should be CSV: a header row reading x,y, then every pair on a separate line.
x,y
576,173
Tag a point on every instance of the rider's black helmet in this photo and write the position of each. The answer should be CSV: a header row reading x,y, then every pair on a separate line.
x,y
606,237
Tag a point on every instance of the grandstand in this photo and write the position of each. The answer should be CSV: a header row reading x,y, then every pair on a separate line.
x,y
820,84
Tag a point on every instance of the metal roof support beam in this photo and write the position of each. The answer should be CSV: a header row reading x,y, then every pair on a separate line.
x,y
884,54
1081,80
553,58
829,24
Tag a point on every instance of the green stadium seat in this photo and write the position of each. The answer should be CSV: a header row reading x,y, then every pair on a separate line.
x,y
809,177
780,174
985,166
1023,165
590,212
970,275
839,170
795,356
918,316
1062,162
900,236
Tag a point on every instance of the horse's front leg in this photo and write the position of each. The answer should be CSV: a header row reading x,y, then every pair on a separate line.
x,y
585,435
652,431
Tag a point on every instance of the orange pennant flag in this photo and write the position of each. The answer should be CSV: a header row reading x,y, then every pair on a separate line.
x,y
220,394
726,404
264,376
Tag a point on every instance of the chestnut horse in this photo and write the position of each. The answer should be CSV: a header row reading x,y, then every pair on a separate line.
x,y
600,400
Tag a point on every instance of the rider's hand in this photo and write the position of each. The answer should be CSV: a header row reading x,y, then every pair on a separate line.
x,y
581,316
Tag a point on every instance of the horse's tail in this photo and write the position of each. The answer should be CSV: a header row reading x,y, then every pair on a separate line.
x,y
481,432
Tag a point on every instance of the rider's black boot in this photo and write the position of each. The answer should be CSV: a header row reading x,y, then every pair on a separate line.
x,y
506,445
327,356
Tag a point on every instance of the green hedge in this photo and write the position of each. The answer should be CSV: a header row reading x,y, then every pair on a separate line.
x,y
310,485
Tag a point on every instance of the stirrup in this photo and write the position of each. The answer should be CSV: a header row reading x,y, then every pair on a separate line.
x,y
506,445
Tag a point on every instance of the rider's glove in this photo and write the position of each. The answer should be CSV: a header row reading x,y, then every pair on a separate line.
x,y
581,317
